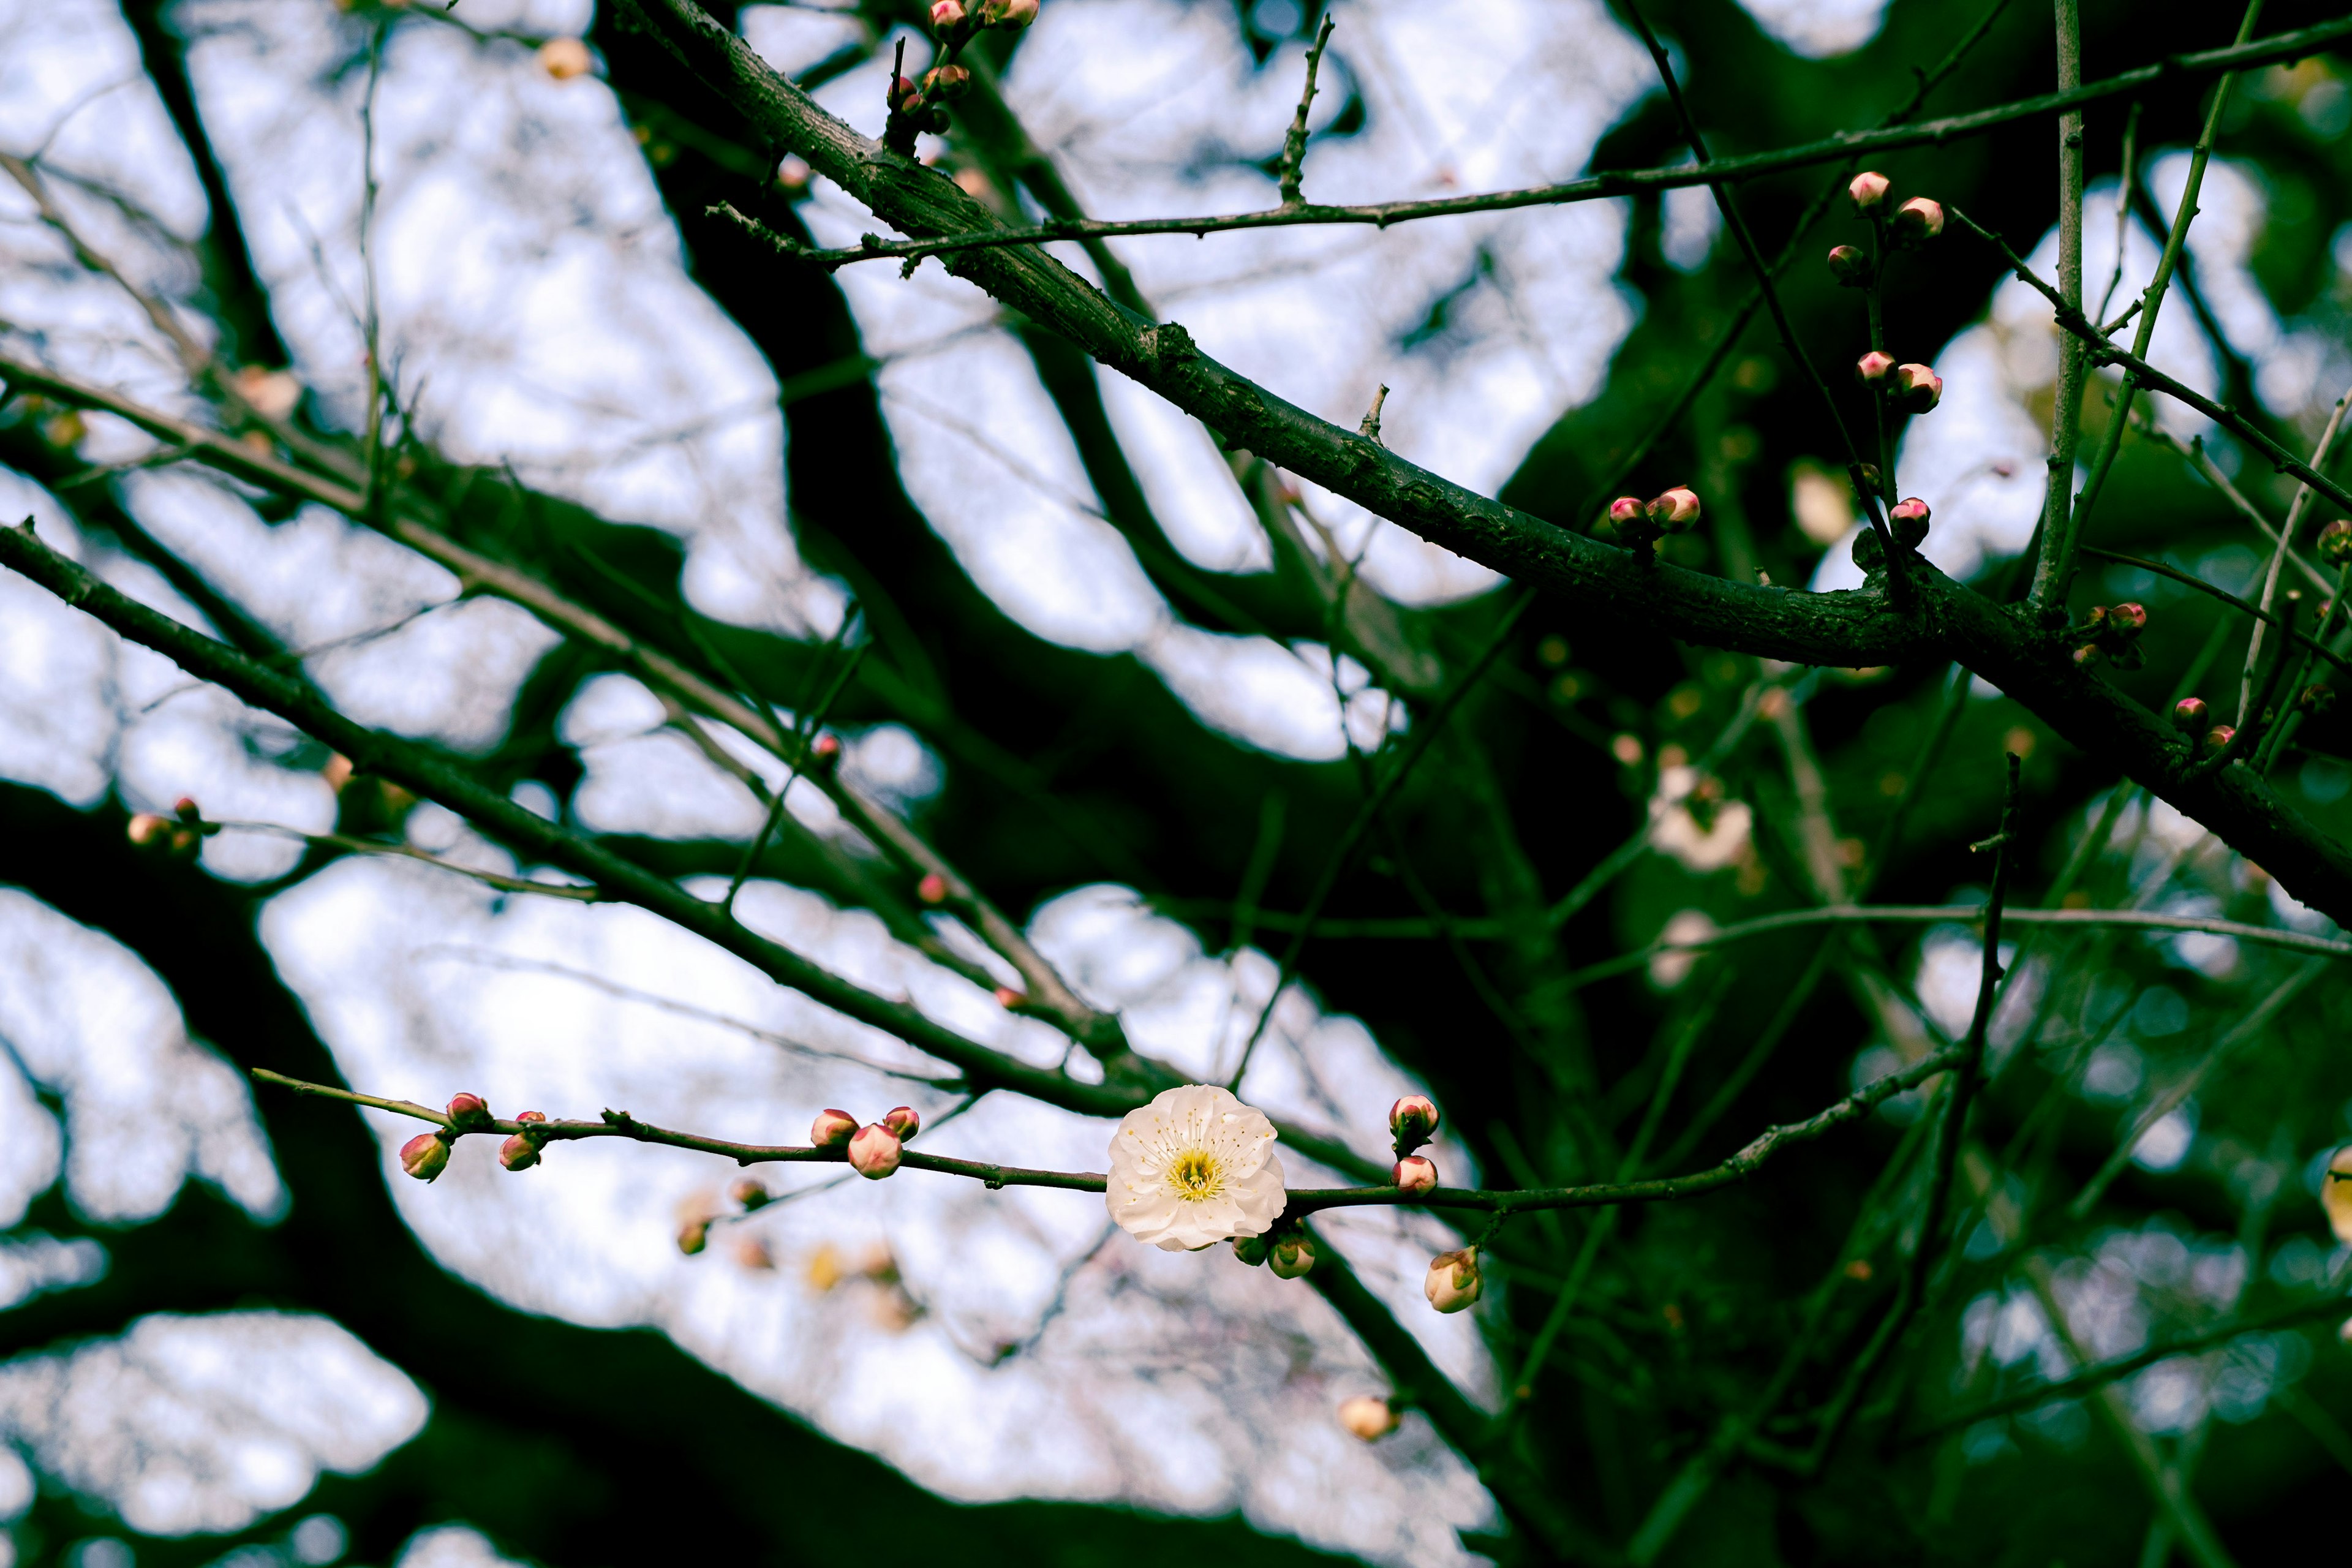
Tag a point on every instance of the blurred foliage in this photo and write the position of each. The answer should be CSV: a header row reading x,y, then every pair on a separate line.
x,y
572,1446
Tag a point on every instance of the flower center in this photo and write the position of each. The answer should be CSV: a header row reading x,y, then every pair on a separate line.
x,y
1196,1175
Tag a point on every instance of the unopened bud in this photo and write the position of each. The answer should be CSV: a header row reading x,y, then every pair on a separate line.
x,y
1414,1117
1675,511
903,97
1917,221
1917,387
751,1193
902,1120
693,1236
946,14
1908,520
425,1156
1869,551
2336,1195
945,84
532,1116
2088,655
1453,1282
932,888
1867,190
831,1127
1628,509
2190,716
1414,1174
1850,266
1871,368
2127,620
187,810
564,58
1007,13
1008,998
465,1108
149,831
1292,1257
1368,1417
518,1154
793,172
1252,1249
2219,736
826,747
874,1152
2335,542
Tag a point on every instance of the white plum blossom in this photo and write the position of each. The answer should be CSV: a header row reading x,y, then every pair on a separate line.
x,y
1194,1168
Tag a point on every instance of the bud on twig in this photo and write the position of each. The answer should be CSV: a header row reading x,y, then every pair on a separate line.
x,y
751,1193
932,888
2126,620
1252,1249
1870,368
1628,509
1675,511
1917,388
425,1156
518,1154
1368,1417
1908,519
831,1127
2219,736
945,84
1414,1174
466,1108
1292,1257
947,13
874,1152
1850,266
902,1122
2335,542
693,1236
903,97
1009,999
1413,1120
564,58
2191,717
1007,13
1867,190
825,749
1453,1282
1917,221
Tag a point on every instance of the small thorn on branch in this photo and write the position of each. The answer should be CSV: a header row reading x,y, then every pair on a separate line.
x,y
1371,428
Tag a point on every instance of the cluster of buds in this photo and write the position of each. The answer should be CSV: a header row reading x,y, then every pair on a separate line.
x,y
1914,388
1287,1249
922,106
2195,723
2114,637
1639,523
177,835
1454,1283
520,1152
426,1155
875,1149
1915,223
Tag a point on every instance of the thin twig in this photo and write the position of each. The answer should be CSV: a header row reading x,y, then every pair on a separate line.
x,y
1294,144
2066,412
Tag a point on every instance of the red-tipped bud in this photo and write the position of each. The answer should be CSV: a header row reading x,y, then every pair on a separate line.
x,y
465,1108
533,1116
518,1154
1007,13
902,1120
1415,1116
1291,1256
1008,998
2191,717
874,1152
945,84
826,747
1868,191
831,1129
1917,221
751,1193
2219,736
1871,368
1674,511
1917,388
1908,519
149,831
932,888
2088,657
1628,509
1414,1174
2126,620
2335,542
946,14
1368,1417
425,1156
1850,266
187,809
1453,1282
904,97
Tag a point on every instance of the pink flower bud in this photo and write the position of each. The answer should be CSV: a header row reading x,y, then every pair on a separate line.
x,y
1628,509
831,1127
1292,1257
1867,190
149,831
932,888
874,1152
2219,736
751,1193
946,14
2191,717
1908,519
1415,1116
425,1156
902,1120
2127,620
1675,511
1414,1174
518,1154
2335,542
1453,1281
826,747
188,810
1917,388
945,84
2089,656
1850,266
533,1116
467,1108
903,97
1871,368
1007,13
1917,221
1008,998
1368,1417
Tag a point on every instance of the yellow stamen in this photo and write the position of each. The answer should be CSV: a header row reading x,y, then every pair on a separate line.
x,y
1196,1175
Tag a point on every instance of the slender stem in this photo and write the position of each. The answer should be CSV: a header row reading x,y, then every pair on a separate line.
x,y
2123,207
2065,416
2294,510
1294,144
350,846
2310,644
